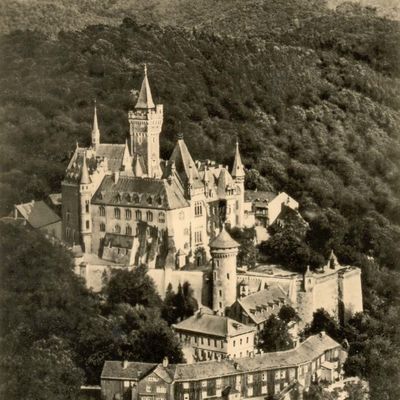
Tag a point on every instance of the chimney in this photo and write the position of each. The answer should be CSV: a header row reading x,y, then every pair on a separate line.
x,y
322,334
125,364
165,362
116,177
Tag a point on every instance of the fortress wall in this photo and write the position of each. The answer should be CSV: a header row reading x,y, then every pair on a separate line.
x,y
350,285
326,294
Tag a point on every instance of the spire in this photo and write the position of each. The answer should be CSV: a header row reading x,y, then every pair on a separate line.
x,y
95,129
237,169
85,179
145,99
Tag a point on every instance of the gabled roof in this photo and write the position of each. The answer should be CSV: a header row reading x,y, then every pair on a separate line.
x,y
224,180
145,99
260,305
183,160
223,241
114,154
214,325
140,193
37,214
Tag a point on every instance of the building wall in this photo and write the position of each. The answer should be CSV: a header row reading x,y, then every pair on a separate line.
x,y
54,230
241,345
152,387
111,387
351,291
178,224
326,294
275,205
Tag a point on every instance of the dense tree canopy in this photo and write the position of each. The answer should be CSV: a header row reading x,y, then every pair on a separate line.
x,y
275,335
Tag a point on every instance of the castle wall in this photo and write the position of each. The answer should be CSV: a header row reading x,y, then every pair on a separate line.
x,y
350,286
326,294
178,224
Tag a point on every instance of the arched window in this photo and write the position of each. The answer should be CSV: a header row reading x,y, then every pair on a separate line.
x,y
136,198
128,214
138,215
117,229
161,217
149,216
102,227
128,230
102,211
117,213
149,200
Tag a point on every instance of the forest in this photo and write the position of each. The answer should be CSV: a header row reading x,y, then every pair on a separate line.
x,y
311,94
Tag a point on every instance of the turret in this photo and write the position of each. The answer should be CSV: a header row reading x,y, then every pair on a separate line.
x,y
145,123
223,252
308,280
238,170
95,129
238,175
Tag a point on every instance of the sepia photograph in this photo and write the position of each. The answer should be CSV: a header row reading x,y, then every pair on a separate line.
x,y
200,200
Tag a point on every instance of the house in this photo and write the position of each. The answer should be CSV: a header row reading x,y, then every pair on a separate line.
x,y
215,336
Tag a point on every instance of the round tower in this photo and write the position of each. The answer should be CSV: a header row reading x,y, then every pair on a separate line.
x,y
85,196
223,252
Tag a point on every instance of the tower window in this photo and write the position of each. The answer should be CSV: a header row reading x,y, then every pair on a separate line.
x,y
102,211
87,206
161,217
138,215
149,216
117,229
102,227
197,237
128,230
128,214
220,293
87,224
227,276
117,213
198,209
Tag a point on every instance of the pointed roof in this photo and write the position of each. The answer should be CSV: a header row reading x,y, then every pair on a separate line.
x,y
95,129
223,241
237,169
145,99
85,179
182,160
224,180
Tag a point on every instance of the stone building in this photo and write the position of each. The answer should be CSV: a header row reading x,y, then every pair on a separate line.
x,y
257,376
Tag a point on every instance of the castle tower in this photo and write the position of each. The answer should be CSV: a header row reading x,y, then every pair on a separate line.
x,y
95,129
145,123
223,252
238,175
85,196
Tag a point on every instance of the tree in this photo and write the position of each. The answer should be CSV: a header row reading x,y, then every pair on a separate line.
x,y
322,321
288,314
132,287
275,336
248,253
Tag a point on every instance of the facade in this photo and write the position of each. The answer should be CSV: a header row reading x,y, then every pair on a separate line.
x,y
256,376
215,337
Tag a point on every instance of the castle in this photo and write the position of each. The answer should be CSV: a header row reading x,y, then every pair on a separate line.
x,y
122,206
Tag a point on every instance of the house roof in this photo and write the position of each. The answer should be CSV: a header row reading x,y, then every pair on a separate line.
x,y
213,325
260,305
37,213
183,160
114,154
140,192
223,241
133,370
305,352
258,196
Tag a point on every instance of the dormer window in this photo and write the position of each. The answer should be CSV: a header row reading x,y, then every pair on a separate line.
x,y
149,200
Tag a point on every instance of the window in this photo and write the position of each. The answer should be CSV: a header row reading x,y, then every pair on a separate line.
x,y
220,305
283,374
117,213
117,229
198,209
227,276
128,214
102,211
204,394
250,378
264,376
247,339
218,382
241,341
277,388
138,215
220,293
68,215
149,216
128,230
87,225
234,343
150,200
197,237
202,341
126,384
218,392
237,204
215,342
222,344
208,342
186,385
153,379
67,232
181,215
250,391
87,206
264,389
204,384
161,389
277,375
148,389
161,217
